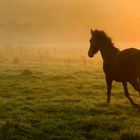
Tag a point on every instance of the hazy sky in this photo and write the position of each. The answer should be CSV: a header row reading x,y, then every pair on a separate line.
x,y
68,21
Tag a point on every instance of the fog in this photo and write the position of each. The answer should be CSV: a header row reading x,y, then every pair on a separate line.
x,y
67,21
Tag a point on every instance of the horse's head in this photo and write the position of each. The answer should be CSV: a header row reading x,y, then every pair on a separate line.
x,y
94,44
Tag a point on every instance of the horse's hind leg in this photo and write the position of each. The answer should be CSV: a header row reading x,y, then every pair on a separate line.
x,y
127,94
136,84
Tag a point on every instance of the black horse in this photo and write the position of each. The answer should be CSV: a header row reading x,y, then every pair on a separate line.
x,y
121,66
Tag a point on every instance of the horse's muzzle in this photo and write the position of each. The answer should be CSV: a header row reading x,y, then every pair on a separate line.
x,y
90,54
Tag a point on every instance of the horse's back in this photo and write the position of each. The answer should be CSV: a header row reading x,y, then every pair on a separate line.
x,y
128,52
128,57
127,63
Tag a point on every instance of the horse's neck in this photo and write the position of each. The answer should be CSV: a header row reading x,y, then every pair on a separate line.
x,y
108,53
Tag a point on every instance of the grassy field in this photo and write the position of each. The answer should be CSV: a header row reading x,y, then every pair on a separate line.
x,y
63,101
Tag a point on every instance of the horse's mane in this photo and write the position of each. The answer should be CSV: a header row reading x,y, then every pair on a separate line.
x,y
102,36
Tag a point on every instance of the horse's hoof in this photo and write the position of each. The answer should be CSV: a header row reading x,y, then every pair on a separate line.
x,y
108,101
136,106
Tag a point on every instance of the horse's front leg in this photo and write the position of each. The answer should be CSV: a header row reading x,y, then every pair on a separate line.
x,y
109,87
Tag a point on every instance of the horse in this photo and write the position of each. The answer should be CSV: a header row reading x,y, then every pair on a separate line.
x,y
121,66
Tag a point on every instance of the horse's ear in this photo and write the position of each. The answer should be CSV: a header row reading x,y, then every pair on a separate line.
x,y
91,32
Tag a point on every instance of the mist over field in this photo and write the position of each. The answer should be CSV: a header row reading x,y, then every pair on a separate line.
x,y
56,51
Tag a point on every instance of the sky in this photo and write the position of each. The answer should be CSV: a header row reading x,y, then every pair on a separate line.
x,y
68,21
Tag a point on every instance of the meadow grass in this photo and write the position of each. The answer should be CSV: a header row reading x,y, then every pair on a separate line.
x,y
63,101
